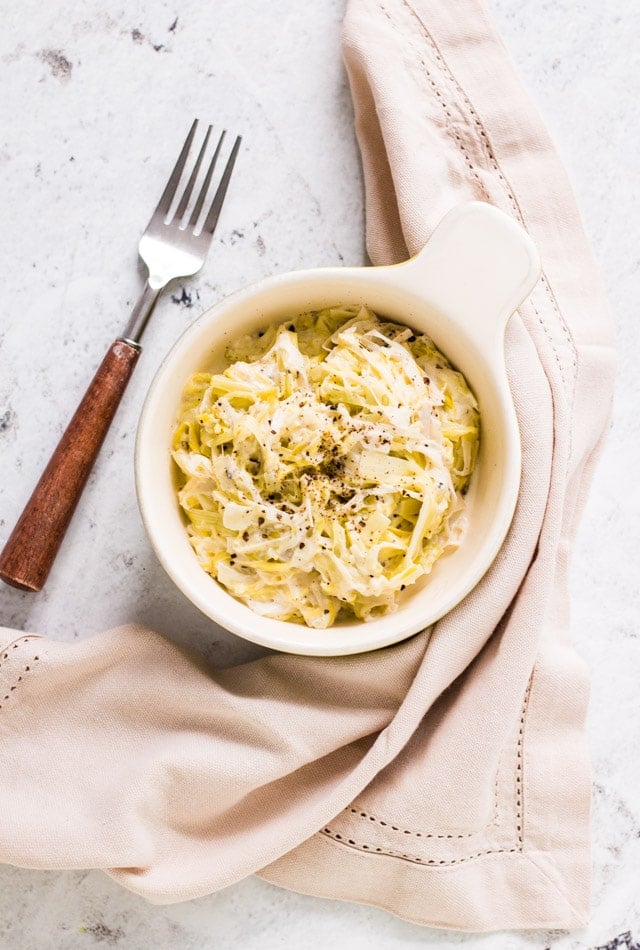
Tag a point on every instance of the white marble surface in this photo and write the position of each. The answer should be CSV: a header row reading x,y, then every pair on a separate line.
x,y
95,100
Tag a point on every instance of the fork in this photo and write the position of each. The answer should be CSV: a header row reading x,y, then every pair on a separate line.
x,y
171,247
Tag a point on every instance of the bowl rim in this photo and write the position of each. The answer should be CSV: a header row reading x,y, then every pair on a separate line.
x,y
404,626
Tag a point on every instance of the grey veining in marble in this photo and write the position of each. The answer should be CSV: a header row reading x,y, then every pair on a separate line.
x,y
96,98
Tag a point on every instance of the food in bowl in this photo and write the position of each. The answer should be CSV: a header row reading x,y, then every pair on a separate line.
x,y
460,289
324,470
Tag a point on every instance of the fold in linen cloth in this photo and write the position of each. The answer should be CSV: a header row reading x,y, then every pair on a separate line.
x,y
446,778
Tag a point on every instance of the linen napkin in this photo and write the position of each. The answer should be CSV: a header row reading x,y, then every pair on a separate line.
x,y
446,778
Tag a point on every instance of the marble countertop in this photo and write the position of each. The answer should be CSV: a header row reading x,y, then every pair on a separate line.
x,y
96,99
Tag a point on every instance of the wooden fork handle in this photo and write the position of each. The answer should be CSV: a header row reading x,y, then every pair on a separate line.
x,y
29,553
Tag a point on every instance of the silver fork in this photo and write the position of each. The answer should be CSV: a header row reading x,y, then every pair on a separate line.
x,y
171,247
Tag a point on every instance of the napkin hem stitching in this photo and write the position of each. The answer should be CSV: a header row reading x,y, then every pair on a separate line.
x,y
490,154
413,859
342,839
14,644
416,834
11,689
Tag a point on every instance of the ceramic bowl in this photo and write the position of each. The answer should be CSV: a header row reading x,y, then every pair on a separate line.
x,y
460,289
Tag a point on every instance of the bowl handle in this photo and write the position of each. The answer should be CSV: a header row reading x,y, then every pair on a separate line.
x,y
477,268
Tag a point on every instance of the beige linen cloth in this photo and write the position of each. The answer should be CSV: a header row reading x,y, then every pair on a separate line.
x,y
445,779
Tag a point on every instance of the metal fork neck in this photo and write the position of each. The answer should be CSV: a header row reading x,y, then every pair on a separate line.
x,y
140,314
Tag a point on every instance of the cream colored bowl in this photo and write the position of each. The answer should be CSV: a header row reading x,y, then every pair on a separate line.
x,y
460,289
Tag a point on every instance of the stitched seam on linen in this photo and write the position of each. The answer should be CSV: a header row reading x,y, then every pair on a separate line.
x,y
354,810
486,144
443,862
444,71
450,120
412,858
6,694
520,769
14,646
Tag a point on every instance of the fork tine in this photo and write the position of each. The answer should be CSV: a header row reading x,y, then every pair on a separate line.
x,y
167,195
214,211
184,201
193,220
